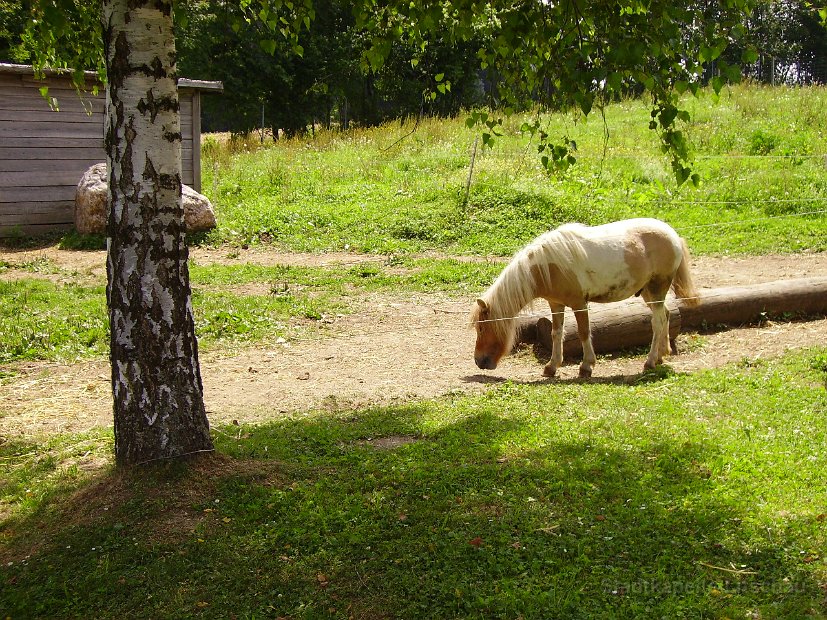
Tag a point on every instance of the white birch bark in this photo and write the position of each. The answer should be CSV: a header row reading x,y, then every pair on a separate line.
x,y
156,381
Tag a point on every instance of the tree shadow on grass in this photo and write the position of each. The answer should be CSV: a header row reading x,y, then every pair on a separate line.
x,y
490,511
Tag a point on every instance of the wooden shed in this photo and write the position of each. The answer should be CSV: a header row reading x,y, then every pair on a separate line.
x,y
44,152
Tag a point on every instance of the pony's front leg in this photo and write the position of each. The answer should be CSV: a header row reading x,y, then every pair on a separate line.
x,y
585,334
557,317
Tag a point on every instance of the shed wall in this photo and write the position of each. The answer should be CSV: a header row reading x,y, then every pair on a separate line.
x,y
43,152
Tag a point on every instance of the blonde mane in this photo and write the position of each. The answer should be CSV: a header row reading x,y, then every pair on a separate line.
x,y
515,288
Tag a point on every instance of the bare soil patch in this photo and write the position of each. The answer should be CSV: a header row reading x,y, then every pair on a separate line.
x,y
394,350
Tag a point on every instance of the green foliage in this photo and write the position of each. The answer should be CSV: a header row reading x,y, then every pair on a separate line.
x,y
532,55
66,34
12,24
762,142
543,54
325,84
402,189
679,496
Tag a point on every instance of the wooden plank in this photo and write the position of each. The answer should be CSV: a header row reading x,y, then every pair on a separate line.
x,y
67,216
62,154
195,139
47,165
37,194
59,81
39,178
56,209
32,231
36,181
30,129
52,144
47,123
31,99
49,116
31,84
55,165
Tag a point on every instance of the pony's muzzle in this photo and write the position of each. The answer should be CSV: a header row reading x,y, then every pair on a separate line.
x,y
486,362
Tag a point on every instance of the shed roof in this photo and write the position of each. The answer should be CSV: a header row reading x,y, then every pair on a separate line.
x,y
204,85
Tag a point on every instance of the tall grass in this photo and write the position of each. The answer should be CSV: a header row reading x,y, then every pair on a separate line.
x,y
402,187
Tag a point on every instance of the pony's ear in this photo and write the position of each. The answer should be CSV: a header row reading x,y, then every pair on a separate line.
x,y
483,306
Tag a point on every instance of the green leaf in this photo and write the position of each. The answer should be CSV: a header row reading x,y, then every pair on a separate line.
x,y
268,45
667,116
681,173
749,55
585,102
439,77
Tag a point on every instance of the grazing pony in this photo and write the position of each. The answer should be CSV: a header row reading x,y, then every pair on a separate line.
x,y
576,264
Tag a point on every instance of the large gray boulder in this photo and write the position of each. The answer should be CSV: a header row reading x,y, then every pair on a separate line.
x,y
92,204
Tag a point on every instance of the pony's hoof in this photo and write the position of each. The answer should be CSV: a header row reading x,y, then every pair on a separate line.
x,y
549,372
585,373
649,366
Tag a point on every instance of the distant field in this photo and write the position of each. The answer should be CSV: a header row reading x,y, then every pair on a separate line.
x,y
400,188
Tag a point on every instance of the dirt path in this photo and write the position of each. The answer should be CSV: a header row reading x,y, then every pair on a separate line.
x,y
396,350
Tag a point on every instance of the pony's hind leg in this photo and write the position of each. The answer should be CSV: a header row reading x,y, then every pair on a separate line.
x,y
557,318
660,326
585,334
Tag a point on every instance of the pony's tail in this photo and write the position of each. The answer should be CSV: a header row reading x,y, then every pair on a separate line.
x,y
682,284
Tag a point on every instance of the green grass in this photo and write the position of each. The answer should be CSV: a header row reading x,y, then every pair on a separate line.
x,y
677,496
695,496
64,320
43,320
759,151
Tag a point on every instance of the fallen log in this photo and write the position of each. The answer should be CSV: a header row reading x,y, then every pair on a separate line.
x,y
742,305
627,324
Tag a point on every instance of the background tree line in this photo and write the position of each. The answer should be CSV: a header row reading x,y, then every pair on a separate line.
x,y
326,83
329,84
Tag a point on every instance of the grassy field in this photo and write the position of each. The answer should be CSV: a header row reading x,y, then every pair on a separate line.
x,y
676,496
696,496
401,188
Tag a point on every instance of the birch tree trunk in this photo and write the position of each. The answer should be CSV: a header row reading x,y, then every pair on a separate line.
x,y
156,380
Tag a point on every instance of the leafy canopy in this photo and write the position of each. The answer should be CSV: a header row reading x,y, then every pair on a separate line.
x,y
566,54
578,55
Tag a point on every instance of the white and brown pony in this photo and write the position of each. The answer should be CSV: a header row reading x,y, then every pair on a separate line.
x,y
576,264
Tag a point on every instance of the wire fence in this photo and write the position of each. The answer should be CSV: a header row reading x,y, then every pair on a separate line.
x,y
775,70
592,310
